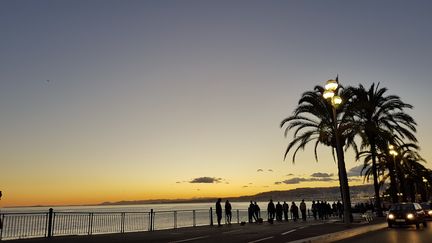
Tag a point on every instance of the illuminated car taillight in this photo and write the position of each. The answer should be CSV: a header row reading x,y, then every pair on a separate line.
x,y
391,216
430,212
410,216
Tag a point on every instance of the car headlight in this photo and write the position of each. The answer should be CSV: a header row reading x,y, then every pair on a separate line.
x,y
410,216
430,212
391,216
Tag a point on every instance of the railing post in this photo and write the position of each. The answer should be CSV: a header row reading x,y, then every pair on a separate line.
x,y
50,222
1,225
238,216
194,218
151,220
175,219
211,216
90,224
122,222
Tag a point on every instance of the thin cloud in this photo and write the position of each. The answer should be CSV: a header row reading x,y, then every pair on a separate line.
x,y
321,175
290,174
244,186
206,179
355,171
270,170
260,170
278,183
297,180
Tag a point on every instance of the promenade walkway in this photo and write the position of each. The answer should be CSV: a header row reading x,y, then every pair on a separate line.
x,y
251,233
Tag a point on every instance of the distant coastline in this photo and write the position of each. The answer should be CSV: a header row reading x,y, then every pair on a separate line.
x,y
358,193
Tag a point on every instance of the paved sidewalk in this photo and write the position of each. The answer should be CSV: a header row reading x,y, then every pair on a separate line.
x,y
310,231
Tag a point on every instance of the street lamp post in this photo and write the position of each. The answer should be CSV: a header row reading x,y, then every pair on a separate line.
x,y
394,153
330,94
425,181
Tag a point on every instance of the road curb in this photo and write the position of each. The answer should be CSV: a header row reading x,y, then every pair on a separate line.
x,y
340,235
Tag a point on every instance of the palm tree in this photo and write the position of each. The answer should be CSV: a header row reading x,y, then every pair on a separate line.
x,y
313,121
410,170
377,117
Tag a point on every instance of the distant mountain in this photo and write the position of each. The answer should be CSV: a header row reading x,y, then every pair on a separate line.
x,y
358,193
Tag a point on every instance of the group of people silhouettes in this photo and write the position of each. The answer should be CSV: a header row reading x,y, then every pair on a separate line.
x,y
280,212
323,210
228,211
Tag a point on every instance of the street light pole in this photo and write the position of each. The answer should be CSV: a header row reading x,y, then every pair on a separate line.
x,y
330,94
393,152
426,188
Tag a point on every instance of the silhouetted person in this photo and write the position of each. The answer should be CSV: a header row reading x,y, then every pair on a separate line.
x,y
314,210
219,211
320,210
294,211
303,210
257,211
279,211
228,212
271,210
285,210
251,212
339,208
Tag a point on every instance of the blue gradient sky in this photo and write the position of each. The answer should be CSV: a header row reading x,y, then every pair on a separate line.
x,y
145,96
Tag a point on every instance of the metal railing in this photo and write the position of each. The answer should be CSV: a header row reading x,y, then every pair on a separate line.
x,y
48,224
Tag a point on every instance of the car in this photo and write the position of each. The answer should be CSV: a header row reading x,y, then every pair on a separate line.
x,y
427,208
406,214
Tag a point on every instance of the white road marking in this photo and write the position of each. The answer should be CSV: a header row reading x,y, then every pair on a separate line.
x,y
190,239
290,231
263,239
232,231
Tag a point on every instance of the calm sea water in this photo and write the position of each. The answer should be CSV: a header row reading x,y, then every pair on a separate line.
x,y
142,207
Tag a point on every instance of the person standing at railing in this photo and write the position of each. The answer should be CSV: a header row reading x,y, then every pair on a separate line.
x,y
285,210
303,209
271,211
251,212
219,211
257,211
228,213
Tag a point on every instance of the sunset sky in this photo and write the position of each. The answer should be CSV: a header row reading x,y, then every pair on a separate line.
x,y
127,100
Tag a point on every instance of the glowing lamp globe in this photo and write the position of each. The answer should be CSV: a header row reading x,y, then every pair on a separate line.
x,y
331,85
337,100
328,94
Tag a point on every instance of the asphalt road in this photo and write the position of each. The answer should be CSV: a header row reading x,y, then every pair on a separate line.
x,y
251,233
402,234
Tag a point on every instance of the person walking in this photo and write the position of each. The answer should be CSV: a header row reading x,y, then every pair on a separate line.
x,y
271,211
303,209
285,210
228,213
219,211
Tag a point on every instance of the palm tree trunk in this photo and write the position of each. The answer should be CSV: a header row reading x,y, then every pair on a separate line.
x,y
343,181
375,179
343,178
